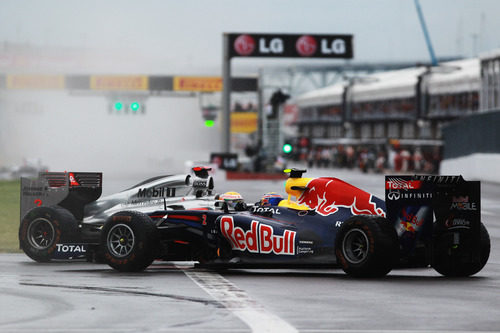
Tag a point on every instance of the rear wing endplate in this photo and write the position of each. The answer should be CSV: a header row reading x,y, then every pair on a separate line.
x,y
71,190
414,203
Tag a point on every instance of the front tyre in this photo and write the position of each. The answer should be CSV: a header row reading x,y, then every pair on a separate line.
x,y
366,246
452,253
42,228
129,241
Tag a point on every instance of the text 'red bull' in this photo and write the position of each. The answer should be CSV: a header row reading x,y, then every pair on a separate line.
x,y
259,239
327,195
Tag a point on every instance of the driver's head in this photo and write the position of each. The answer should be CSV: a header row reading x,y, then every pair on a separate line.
x,y
270,199
233,199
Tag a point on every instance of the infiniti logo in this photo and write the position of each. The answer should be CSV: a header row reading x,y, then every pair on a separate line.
x,y
393,195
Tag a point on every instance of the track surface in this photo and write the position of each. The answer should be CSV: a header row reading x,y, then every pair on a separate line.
x,y
177,297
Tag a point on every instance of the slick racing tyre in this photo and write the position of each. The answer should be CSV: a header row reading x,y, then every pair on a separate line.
x,y
367,246
42,228
129,241
451,259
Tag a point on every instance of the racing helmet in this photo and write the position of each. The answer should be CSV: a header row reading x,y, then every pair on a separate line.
x,y
233,200
270,199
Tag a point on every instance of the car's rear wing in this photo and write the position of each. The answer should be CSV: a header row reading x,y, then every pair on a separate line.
x,y
414,203
71,190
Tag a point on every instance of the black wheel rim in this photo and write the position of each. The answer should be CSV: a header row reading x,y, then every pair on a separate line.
x,y
121,240
41,233
355,246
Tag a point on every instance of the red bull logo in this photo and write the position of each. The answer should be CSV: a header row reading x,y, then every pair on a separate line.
x,y
411,222
327,195
259,239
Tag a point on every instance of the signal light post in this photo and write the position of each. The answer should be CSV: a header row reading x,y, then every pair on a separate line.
x,y
135,106
287,148
209,115
118,106
276,46
126,104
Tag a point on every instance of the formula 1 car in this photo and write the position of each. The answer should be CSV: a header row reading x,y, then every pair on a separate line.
x,y
62,215
426,220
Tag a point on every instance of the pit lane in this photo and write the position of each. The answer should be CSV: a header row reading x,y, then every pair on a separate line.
x,y
177,297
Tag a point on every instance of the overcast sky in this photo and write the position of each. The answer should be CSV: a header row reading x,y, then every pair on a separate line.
x,y
184,37
177,37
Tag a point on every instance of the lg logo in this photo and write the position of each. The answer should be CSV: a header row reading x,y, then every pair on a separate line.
x,y
306,46
244,45
248,45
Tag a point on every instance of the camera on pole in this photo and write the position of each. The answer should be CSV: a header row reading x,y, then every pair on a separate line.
x,y
278,98
209,114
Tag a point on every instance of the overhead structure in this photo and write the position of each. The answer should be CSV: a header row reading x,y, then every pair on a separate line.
x,y
410,106
426,33
276,46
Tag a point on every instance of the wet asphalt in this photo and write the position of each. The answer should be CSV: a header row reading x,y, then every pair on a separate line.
x,y
179,297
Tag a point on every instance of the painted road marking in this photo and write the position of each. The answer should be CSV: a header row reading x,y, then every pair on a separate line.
x,y
239,303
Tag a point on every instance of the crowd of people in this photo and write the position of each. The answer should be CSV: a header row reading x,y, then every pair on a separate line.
x,y
376,159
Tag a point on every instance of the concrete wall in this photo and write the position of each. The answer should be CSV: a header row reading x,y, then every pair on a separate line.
x,y
479,133
472,147
481,166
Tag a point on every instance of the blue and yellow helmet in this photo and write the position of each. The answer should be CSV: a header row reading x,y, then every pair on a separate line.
x,y
270,199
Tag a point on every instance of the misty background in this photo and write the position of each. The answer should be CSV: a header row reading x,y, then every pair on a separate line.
x,y
76,132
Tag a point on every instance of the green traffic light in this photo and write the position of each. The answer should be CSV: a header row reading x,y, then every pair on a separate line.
x,y
209,123
118,106
287,148
134,106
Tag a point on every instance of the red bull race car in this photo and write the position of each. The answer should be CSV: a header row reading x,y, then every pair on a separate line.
x,y
424,221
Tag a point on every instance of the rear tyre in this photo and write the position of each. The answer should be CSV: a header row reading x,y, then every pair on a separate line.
x,y
450,259
367,246
42,228
129,241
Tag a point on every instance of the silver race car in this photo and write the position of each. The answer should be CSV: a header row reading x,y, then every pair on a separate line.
x,y
62,215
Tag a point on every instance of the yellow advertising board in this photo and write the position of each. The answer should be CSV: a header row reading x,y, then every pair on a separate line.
x,y
25,81
119,82
243,122
197,83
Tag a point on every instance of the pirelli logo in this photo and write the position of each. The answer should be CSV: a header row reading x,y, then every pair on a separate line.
x,y
243,122
192,83
119,82
35,82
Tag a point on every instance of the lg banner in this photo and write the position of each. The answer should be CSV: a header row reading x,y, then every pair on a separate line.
x,y
291,46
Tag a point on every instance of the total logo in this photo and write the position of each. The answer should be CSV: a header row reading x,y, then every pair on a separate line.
x,y
70,248
264,210
259,239
401,184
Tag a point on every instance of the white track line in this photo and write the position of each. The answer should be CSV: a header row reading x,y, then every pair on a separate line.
x,y
239,303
